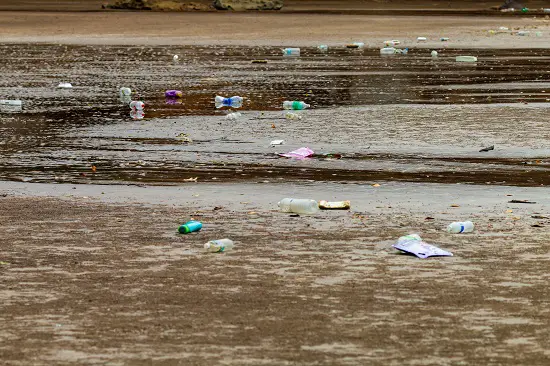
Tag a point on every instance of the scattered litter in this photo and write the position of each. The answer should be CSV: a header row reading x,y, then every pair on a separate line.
x,y
444,39
184,138
413,244
434,53
375,185
523,33
295,105
421,39
125,92
190,226
235,102
65,85
277,142
299,154
218,246
291,52
466,59
355,45
521,201
259,61
291,115
537,225
460,227
94,168
194,179
299,206
233,116
173,94
393,51
323,48
217,208
393,42
175,58
340,205
137,105
429,218
540,217
485,149
455,205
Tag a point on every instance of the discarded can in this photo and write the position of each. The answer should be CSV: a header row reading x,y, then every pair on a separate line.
x,y
190,226
173,94
340,205
219,246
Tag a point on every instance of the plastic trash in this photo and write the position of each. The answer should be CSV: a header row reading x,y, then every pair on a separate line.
x,y
466,59
299,206
387,51
137,114
259,61
523,33
233,116
10,102
125,92
444,39
173,94
136,104
235,102
402,51
219,246
393,42
460,227
295,105
175,58
413,244
65,85
356,45
277,142
421,39
291,52
190,226
299,154
340,205
322,48
291,115
434,53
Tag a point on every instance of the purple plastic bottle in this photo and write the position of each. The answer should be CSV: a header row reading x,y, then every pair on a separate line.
x,y
173,94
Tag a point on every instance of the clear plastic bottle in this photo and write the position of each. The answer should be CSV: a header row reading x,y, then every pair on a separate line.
x,y
387,51
322,48
434,53
235,102
294,104
291,52
10,102
220,245
299,206
125,92
135,104
461,227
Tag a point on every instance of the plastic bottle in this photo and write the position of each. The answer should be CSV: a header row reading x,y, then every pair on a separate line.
x,y
135,104
466,59
190,226
125,92
434,53
387,51
173,94
220,245
175,58
391,43
299,206
323,48
10,102
421,39
291,52
137,114
235,102
65,85
403,51
461,227
294,104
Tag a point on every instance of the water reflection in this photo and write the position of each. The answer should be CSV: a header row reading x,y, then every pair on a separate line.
x,y
137,114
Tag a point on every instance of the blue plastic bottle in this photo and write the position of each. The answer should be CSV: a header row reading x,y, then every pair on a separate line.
x,y
190,226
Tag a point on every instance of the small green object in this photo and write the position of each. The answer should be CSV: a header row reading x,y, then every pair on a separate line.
x,y
297,105
4,263
524,10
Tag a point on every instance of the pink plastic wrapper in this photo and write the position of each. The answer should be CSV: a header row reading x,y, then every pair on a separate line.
x,y
299,154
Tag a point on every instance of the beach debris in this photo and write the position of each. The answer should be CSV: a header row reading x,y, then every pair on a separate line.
x,y
466,59
137,114
190,226
10,102
391,43
421,39
540,217
193,179
460,227
413,244
322,48
299,154
523,33
234,102
434,53
259,61
65,85
291,52
444,39
376,185
485,149
355,45
338,205
125,92
521,201
219,245
298,205
292,115
429,218
295,105
183,137
537,225
455,205
173,94
277,142
175,58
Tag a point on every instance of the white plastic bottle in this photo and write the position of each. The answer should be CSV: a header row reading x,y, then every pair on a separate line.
x,y
291,52
461,227
125,92
294,104
387,51
235,102
299,206
65,85
135,104
434,53
10,102
220,245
